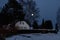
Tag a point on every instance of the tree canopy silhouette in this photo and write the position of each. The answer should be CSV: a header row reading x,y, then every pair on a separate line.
x,y
31,10
11,11
35,25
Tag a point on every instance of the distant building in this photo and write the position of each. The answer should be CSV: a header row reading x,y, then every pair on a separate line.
x,y
46,24
22,25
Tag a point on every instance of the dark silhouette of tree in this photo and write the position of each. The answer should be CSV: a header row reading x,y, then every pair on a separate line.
x,y
42,25
35,25
12,11
31,11
56,28
58,17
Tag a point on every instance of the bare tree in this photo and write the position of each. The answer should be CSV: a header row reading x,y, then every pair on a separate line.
x,y
31,11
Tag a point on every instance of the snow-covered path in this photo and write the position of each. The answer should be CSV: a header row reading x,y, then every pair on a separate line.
x,y
49,36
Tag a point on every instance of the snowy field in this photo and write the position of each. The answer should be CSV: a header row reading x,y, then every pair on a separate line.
x,y
48,36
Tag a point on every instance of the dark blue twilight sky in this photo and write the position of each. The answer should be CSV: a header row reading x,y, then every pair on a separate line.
x,y
48,8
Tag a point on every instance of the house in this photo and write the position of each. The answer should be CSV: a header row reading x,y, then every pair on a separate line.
x,y
20,25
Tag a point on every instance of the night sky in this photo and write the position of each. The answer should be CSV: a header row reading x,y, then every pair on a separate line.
x,y
48,9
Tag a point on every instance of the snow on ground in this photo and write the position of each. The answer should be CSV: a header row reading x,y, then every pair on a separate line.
x,y
49,36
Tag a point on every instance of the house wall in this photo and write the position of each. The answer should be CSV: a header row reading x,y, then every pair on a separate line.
x,y
22,25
